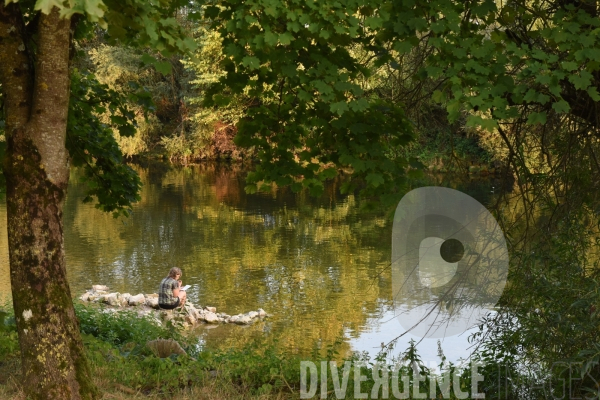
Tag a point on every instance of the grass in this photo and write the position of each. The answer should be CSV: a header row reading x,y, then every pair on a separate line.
x,y
124,367
119,375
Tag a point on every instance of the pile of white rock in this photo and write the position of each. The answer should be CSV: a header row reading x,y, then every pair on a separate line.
x,y
148,304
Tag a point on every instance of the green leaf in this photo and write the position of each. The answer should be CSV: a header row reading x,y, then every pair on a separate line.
x,y
286,38
329,173
270,38
148,59
479,121
324,34
322,87
127,130
359,105
296,187
570,65
593,92
339,107
94,9
403,47
304,95
164,67
537,118
46,6
581,81
374,179
438,96
561,106
117,119
251,62
211,12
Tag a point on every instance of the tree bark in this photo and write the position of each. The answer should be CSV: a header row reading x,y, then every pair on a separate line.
x,y
36,168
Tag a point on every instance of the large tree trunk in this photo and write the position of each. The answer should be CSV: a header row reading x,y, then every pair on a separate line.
x,y
37,170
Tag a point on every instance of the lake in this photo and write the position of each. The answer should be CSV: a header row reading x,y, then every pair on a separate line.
x,y
319,266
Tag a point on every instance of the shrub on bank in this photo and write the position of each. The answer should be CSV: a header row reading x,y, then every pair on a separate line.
x,y
123,327
116,346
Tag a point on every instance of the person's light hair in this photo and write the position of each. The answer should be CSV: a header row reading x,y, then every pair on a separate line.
x,y
174,271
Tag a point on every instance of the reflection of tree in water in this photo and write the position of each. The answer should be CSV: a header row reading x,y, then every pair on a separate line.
x,y
316,264
227,186
313,263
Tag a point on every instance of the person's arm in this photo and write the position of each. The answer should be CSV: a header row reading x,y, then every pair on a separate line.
x,y
176,289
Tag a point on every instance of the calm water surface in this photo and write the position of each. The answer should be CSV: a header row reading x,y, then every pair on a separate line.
x,y
320,266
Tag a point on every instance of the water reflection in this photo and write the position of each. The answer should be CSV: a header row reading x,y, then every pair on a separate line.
x,y
439,295
319,266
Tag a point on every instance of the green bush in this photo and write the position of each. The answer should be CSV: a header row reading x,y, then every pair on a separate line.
x,y
9,340
122,328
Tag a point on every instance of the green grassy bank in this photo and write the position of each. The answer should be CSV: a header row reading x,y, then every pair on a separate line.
x,y
125,367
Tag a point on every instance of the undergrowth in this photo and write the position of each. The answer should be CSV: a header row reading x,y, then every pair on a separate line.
x,y
124,367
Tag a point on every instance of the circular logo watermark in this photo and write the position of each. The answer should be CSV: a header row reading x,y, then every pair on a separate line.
x,y
449,262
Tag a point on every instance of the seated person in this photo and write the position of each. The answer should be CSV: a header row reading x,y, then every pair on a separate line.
x,y
169,295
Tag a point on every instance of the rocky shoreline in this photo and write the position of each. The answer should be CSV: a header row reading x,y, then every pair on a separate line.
x,y
147,305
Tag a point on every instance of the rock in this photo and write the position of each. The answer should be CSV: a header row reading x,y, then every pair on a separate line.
x,y
211,317
152,302
124,299
166,315
190,319
165,347
111,299
85,296
192,313
197,314
243,320
136,300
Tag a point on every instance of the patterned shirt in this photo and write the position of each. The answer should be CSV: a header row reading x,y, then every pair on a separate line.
x,y
165,291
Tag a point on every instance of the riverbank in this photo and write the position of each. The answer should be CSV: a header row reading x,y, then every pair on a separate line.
x,y
126,366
